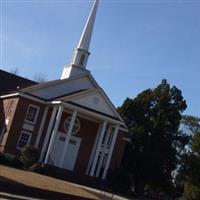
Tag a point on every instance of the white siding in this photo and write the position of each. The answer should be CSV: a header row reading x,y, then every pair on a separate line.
x,y
95,101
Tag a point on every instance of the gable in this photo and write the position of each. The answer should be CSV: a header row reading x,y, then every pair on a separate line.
x,y
95,100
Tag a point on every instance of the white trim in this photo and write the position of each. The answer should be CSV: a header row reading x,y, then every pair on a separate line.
x,y
54,102
103,150
82,115
110,152
27,96
41,127
28,142
94,163
53,114
110,104
68,136
78,94
55,129
9,95
92,119
28,127
93,81
36,115
124,129
97,115
68,119
90,92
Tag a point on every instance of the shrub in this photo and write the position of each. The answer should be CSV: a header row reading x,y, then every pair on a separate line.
x,y
10,160
1,158
29,156
38,168
119,181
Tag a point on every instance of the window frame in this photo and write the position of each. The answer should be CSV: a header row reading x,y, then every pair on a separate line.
x,y
28,142
82,59
69,120
36,115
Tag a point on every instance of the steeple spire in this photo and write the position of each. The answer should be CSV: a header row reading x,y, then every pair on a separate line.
x,y
87,32
81,53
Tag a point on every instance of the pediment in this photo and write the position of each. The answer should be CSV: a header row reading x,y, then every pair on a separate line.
x,y
95,100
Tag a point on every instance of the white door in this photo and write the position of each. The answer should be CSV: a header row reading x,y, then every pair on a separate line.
x,y
72,152
55,155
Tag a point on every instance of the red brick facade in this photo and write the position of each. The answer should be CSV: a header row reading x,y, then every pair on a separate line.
x,y
17,115
15,109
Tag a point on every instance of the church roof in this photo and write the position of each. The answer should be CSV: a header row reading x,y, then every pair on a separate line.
x,y
80,90
11,82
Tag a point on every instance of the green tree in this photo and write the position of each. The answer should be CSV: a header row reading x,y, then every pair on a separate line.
x,y
153,118
189,172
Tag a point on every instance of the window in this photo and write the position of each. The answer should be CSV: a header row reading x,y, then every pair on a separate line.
x,y
75,128
108,136
32,114
105,134
24,139
82,59
110,139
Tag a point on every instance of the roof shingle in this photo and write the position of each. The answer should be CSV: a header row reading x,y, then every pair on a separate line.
x,y
11,82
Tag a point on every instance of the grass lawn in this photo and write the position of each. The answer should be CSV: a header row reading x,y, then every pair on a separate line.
x,y
29,183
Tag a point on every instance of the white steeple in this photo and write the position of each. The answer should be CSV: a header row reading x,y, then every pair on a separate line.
x,y
81,53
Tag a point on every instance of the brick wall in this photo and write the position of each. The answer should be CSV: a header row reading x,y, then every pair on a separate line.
x,y
8,107
17,122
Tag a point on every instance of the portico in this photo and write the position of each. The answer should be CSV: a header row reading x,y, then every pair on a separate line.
x,y
61,146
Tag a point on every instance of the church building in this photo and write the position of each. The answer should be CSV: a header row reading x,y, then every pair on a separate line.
x,y
71,121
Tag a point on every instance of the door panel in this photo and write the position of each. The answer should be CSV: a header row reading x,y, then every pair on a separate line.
x,y
71,153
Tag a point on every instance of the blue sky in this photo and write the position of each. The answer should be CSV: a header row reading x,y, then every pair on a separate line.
x,y
135,44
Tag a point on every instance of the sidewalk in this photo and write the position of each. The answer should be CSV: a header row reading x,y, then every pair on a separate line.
x,y
6,196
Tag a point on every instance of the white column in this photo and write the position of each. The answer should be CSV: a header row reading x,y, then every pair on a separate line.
x,y
67,138
103,151
58,117
41,127
51,122
98,149
110,152
94,148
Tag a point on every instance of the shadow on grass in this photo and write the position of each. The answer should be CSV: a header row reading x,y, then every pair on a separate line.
x,y
13,187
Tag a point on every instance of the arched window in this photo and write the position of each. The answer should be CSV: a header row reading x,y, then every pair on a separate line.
x,y
75,128
82,59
